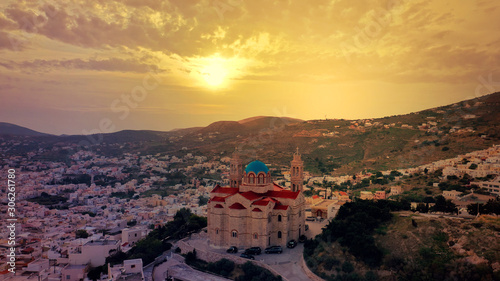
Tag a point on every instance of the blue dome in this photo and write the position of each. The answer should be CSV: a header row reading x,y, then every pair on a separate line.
x,y
256,167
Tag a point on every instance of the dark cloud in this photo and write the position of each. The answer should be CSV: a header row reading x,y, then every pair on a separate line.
x,y
11,42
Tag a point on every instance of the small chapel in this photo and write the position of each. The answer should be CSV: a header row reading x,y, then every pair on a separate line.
x,y
253,211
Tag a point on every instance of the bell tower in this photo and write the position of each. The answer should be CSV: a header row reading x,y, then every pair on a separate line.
x,y
235,171
297,172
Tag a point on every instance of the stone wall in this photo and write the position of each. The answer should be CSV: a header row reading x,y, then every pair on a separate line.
x,y
213,257
308,272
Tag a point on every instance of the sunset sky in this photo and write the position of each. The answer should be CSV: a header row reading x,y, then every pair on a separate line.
x,y
65,66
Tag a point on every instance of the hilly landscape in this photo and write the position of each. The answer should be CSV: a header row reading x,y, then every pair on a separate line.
x,y
12,129
331,146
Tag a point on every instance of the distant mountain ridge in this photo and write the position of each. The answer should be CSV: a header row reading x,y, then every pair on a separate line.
x,y
224,126
12,129
335,146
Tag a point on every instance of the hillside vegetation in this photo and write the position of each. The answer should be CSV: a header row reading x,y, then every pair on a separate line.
x,y
333,146
368,242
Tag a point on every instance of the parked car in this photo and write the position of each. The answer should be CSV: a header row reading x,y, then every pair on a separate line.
x,y
274,250
232,249
291,244
310,219
247,256
253,251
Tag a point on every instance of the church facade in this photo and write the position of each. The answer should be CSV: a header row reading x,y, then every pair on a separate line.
x,y
253,211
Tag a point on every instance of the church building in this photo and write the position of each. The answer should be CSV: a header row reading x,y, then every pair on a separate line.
x,y
253,211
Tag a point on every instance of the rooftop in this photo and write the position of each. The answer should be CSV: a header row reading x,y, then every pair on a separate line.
x,y
102,242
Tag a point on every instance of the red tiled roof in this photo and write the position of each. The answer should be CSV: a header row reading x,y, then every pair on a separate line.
x,y
315,196
228,190
237,206
280,207
218,199
250,195
264,201
261,203
343,193
277,187
256,210
283,194
219,206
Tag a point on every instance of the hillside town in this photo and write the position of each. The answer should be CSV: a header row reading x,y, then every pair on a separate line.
x,y
73,214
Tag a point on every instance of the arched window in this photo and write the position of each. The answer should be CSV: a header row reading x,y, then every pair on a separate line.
x,y
255,235
300,213
261,178
234,233
251,178
269,218
279,217
216,231
279,234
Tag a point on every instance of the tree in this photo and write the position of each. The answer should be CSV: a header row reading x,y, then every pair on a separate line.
x,y
491,207
422,208
443,205
202,200
223,267
191,257
183,215
347,267
308,193
95,272
395,173
81,233
475,208
473,166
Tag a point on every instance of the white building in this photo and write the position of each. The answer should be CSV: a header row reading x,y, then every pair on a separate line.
x,y
74,272
94,252
132,235
491,186
131,270
451,194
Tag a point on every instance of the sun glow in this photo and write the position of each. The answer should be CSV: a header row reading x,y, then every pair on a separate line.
x,y
215,72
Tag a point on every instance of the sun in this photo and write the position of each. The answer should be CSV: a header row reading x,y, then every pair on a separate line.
x,y
215,73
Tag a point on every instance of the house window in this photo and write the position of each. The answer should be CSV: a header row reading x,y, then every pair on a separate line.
x,y
255,236
68,277
279,234
300,213
132,266
216,231
269,218
279,217
234,233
